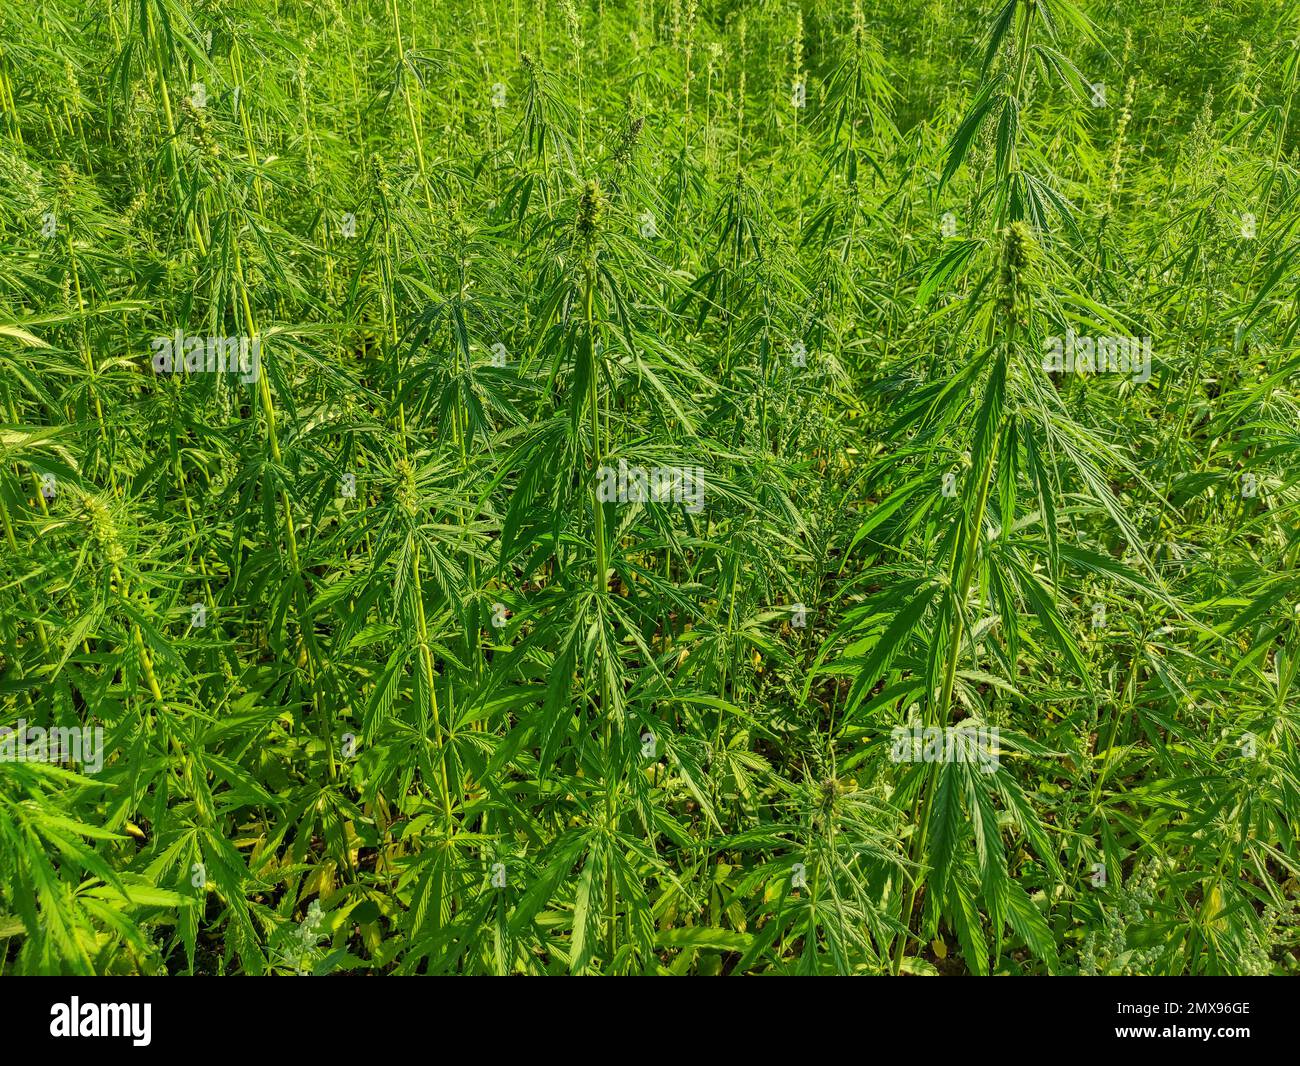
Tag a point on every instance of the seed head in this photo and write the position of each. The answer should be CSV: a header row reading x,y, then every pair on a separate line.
x,y
1019,257
407,494
103,533
626,145
591,209
66,188
377,172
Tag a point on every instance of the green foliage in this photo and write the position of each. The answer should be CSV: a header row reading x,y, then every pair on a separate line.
x,y
388,682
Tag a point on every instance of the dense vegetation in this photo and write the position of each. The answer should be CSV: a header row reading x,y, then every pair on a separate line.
x,y
387,680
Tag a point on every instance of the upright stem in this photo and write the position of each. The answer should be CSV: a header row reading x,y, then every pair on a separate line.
x,y
968,543
410,111
600,585
426,668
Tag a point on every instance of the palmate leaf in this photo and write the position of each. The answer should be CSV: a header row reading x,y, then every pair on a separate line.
x,y
1040,603
989,96
989,420
947,267
966,922
998,32
962,805
557,710
905,494
588,901
871,667
691,937
688,763
385,692
946,821
990,855
1028,922
629,884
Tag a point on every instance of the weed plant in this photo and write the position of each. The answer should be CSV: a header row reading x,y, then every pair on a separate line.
x,y
398,660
